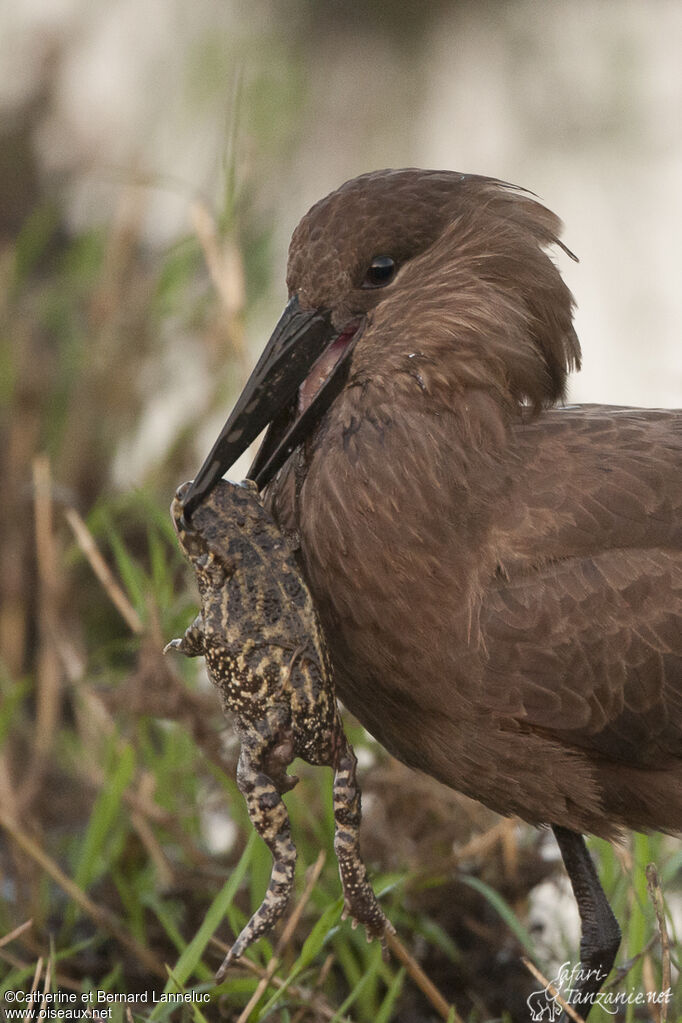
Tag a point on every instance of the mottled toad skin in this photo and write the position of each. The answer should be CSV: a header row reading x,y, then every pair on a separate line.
x,y
265,652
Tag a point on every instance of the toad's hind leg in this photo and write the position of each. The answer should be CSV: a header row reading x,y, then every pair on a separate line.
x,y
359,898
270,819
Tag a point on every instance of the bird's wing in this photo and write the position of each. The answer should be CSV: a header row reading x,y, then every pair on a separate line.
x,y
583,626
591,650
589,479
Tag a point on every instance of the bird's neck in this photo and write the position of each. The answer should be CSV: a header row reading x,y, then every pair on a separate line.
x,y
390,476
441,430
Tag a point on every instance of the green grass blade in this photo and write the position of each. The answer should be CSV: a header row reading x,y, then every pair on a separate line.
x,y
161,572
32,241
392,995
130,573
13,693
321,932
165,918
439,938
191,956
504,910
358,991
637,923
91,855
180,988
104,814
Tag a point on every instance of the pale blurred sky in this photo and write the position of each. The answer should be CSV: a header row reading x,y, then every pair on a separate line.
x,y
579,101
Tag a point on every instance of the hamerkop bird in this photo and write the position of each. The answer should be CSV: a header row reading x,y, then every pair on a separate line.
x,y
499,576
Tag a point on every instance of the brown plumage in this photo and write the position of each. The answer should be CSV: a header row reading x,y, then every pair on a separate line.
x,y
500,579
502,591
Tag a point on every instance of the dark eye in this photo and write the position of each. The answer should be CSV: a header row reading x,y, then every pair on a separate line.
x,y
380,271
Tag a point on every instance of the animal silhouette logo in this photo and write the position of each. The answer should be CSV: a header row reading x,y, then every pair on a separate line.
x,y
546,1003
543,1005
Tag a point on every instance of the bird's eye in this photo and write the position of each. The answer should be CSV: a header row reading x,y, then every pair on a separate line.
x,y
380,272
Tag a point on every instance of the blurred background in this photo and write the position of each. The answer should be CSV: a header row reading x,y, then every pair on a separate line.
x,y
155,156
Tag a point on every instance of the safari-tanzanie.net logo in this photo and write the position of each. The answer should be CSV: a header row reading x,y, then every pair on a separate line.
x,y
568,986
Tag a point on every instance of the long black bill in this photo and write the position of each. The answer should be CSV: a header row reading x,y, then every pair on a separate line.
x,y
297,341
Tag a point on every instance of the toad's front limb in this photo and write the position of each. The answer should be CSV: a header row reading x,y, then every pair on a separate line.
x,y
192,644
266,750
359,899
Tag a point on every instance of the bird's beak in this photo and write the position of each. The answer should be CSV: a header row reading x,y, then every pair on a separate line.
x,y
297,341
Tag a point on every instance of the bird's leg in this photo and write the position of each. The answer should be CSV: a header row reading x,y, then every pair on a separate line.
x,y
270,819
601,934
192,643
359,899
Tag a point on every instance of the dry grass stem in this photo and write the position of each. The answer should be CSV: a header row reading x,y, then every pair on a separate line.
x,y
48,670
45,550
119,256
62,980
482,844
224,262
319,982
620,972
292,922
656,895
101,916
510,849
164,869
13,935
195,855
86,542
140,802
34,986
424,983
539,976
624,856
285,938
649,984
47,982
12,960
315,1002
7,789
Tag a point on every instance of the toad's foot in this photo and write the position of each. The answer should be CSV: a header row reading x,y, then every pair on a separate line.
x,y
192,643
360,902
270,819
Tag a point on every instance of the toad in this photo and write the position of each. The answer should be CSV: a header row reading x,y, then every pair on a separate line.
x,y
266,654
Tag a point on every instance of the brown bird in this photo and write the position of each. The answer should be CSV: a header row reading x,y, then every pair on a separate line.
x,y
499,576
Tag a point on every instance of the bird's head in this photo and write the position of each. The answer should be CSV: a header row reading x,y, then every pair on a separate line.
x,y
447,269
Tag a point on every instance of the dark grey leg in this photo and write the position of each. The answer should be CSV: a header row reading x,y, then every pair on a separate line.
x,y
600,931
